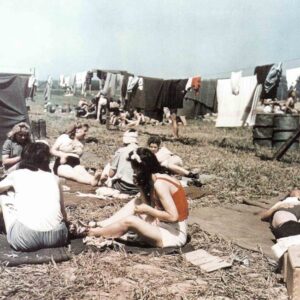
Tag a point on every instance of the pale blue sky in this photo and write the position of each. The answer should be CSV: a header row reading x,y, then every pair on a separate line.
x,y
159,38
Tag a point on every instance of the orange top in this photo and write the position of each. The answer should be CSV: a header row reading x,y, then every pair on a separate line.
x,y
179,199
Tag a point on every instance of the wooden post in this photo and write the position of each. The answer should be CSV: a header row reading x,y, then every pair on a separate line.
x,y
282,150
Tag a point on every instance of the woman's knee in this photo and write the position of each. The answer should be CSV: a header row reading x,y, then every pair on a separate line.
x,y
130,221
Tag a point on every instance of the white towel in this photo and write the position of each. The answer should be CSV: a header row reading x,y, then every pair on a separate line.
x,y
235,82
291,76
233,110
283,244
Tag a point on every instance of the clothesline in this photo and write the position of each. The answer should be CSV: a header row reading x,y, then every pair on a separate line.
x,y
212,75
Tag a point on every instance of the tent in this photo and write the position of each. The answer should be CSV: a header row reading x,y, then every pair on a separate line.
x,y
13,91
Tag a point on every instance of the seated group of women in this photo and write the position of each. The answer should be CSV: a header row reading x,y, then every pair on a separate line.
x,y
32,199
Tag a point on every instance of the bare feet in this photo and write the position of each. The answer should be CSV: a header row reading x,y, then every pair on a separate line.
x,y
96,179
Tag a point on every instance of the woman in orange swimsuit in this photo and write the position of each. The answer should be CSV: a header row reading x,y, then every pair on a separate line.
x,y
159,215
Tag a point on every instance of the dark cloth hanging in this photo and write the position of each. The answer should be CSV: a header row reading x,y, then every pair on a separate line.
x,y
148,97
206,99
152,87
282,90
101,74
262,73
13,109
172,93
208,93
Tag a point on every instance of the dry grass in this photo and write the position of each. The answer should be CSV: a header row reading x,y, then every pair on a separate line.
x,y
242,174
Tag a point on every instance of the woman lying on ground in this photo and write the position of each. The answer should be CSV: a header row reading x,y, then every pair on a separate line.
x,y
168,159
68,148
284,216
12,148
159,216
34,214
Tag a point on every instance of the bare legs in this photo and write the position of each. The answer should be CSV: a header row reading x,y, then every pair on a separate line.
x,y
150,233
123,221
78,173
174,125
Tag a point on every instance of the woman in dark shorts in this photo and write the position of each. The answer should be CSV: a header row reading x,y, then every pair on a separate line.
x,y
68,148
284,216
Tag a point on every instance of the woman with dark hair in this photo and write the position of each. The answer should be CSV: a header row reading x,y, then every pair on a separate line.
x,y
34,212
16,140
168,159
68,148
159,216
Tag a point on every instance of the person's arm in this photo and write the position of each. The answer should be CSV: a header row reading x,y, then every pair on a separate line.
x,y
169,214
7,161
55,151
6,184
114,164
62,204
267,214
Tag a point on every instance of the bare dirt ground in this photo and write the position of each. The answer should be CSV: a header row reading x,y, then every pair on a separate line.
x,y
243,173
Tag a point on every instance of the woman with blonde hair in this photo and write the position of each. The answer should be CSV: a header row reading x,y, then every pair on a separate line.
x,y
68,148
17,139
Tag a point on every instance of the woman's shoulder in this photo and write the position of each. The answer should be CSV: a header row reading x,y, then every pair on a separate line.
x,y
160,178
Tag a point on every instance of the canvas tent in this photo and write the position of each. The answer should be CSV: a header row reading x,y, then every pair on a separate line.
x,y
13,91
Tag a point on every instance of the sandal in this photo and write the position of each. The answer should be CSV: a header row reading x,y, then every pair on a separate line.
x,y
77,230
94,224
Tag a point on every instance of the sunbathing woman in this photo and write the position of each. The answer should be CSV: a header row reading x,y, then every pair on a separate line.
x,y
12,148
34,213
68,148
284,216
159,217
168,159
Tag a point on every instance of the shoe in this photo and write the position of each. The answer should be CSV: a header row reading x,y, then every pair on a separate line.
x,y
77,230
193,175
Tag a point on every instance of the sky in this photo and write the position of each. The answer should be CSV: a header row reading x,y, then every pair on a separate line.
x,y
158,38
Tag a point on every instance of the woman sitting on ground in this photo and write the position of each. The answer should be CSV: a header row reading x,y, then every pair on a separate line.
x,y
34,213
167,159
284,216
159,216
12,148
69,148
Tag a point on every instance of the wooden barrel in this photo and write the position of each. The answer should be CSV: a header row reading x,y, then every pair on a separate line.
x,y
42,128
263,130
284,127
35,129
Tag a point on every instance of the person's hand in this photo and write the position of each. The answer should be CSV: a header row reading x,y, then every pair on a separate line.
x,y
287,205
63,159
142,209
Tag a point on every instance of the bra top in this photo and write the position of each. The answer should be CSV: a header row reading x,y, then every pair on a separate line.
x,y
179,199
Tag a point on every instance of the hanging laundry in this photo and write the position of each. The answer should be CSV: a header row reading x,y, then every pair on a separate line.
x,y
132,83
282,90
233,108
172,93
292,77
235,82
273,78
262,72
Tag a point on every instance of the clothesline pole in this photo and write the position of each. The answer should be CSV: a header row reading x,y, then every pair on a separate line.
x,y
282,150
